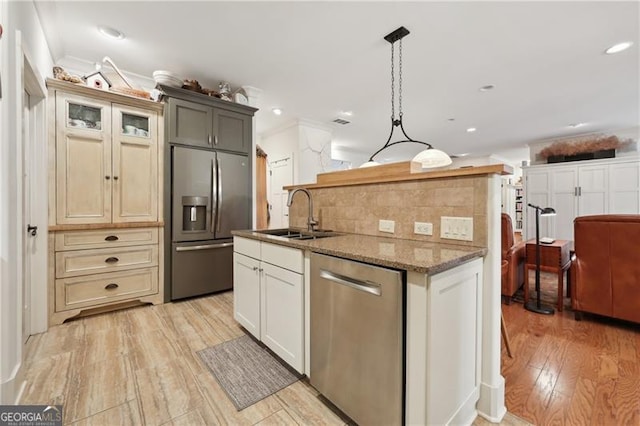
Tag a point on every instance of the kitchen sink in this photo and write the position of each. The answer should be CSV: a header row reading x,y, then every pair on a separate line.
x,y
298,234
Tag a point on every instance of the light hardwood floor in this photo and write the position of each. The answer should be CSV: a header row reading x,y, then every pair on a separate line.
x,y
568,372
139,366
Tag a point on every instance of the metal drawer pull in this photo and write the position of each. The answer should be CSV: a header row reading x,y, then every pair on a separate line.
x,y
111,259
111,238
366,286
204,247
111,286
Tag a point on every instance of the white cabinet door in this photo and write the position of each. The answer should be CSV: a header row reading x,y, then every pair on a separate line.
x,y
537,191
564,182
83,160
593,197
282,315
624,188
246,293
135,164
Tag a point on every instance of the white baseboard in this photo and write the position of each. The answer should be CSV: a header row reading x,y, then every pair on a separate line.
x,y
12,389
491,404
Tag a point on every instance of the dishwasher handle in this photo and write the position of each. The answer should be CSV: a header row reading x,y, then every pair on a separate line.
x,y
366,286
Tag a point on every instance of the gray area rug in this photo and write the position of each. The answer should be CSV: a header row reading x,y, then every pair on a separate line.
x,y
246,371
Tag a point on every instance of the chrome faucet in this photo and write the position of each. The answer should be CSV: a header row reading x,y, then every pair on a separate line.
x,y
311,222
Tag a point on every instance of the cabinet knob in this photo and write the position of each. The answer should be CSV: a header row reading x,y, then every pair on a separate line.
x,y
107,177
111,259
209,139
111,286
115,178
215,140
255,268
111,238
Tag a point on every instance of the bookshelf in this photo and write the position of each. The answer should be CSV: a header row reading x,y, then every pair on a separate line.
x,y
519,208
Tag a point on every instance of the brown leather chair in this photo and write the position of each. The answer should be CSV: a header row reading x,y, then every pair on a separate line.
x,y
514,254
605,273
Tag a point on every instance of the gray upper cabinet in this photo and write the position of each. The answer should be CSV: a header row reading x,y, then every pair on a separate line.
x,y
232,131
190,123
199,120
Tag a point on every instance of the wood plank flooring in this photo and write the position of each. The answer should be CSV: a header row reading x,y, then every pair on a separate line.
x,y
139,366
567,372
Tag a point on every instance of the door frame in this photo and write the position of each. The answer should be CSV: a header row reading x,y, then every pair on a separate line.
x,y
36,150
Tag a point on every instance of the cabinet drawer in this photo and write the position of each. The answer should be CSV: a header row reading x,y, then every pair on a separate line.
x,y
247,246
95,290
102,238
285,257
83,262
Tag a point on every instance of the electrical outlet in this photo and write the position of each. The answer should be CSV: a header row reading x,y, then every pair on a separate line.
x,y
423,228
456,228
386,226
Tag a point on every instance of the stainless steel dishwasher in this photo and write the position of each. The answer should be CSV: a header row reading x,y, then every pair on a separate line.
x,y
357,338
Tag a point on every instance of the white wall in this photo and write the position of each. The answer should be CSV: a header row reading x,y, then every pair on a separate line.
x,y
356,158
280,143
314,145
21,28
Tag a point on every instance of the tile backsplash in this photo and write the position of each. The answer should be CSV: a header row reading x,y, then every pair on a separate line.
x,y
357,209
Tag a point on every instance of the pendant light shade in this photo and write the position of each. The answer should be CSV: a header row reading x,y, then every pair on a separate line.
x,y
430,157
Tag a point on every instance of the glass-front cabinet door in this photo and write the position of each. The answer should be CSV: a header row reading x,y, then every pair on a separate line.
x,y
83,159
135,164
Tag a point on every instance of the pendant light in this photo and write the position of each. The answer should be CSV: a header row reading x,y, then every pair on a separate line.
x,y
430,157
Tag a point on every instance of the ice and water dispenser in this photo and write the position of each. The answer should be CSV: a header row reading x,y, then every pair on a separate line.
x,y
194,213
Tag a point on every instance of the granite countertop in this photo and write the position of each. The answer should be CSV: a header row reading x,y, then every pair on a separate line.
x,y
396,253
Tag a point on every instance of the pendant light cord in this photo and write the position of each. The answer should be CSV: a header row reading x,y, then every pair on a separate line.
x,y
429,157
397,122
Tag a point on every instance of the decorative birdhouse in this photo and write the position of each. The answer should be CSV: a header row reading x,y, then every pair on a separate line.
x,y
97,80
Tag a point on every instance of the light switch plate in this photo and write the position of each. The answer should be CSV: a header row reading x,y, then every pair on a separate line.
x,y
456,228
386,226
423,228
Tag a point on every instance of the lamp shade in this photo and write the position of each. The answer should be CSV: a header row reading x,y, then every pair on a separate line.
x,y
369,164
547,211
432,157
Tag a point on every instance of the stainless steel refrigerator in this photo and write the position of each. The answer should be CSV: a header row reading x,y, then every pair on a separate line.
x,y
210,196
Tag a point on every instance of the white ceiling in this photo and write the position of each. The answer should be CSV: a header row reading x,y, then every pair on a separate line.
x,y
314,59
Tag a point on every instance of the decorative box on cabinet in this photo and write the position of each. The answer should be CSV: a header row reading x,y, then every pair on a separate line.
x,y
105,198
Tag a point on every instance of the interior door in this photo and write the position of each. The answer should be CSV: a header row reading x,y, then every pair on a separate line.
x,y
281,173
234,194
28,240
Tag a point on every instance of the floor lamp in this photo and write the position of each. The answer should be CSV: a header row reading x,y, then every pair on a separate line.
x,y
536,306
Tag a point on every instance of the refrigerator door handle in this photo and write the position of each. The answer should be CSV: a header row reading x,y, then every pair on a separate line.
x,y
204,247
214,194
219,196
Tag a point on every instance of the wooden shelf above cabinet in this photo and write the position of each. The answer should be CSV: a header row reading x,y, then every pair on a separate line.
x,y
397,172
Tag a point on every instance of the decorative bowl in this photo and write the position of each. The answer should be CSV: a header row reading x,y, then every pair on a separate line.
x,y
167,78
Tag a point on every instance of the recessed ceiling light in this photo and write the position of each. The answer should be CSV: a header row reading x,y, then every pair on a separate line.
x,y
451,119
576,125
471,129
277,111
111,32
464,154
617,48
347,113
487,88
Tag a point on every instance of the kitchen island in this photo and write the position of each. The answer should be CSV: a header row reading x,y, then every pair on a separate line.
x,y
442,311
